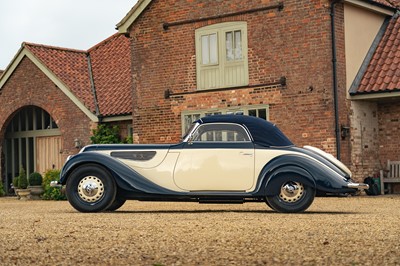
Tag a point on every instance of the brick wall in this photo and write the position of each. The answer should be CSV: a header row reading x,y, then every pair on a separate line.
x,y
364,139
30,86
389,128
294,43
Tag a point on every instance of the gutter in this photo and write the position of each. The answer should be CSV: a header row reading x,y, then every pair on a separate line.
x,y
93,87
334,76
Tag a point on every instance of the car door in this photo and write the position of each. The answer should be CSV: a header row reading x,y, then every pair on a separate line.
x,y
218,157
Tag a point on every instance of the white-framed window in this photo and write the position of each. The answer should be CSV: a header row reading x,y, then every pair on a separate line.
x,y
188,117
221,55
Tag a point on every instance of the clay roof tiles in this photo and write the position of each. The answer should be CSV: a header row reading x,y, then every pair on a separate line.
x,y
110,66
70,66
383,71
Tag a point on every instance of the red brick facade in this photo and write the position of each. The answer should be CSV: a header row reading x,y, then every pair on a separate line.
x,y
294,43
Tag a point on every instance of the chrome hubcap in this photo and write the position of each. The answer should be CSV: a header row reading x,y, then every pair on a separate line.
x,y
291,191
90,189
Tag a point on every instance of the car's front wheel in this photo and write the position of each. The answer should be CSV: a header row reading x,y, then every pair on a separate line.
x,y
293,196
90,188
118,202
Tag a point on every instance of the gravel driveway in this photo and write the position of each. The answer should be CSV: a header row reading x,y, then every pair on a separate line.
x,y
334,231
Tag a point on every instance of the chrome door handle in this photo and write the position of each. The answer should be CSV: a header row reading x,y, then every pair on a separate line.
x,y
246,153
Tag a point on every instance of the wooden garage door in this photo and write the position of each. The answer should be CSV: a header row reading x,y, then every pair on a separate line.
x,y
48,153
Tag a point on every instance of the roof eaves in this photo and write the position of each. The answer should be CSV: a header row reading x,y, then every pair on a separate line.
x,y
11,66
373,6
124,25
373,95
118,117
364,66
386,4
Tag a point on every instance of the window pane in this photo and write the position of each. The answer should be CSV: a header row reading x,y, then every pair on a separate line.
x,y
221,132
252,112
30,118
205,55
238,45
262,113
213,49
229,46
39,124
23,119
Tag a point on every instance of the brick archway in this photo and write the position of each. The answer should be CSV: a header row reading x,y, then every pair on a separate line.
x,y
33,141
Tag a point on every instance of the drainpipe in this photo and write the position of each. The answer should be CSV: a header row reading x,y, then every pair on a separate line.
x,y
93,87
335,86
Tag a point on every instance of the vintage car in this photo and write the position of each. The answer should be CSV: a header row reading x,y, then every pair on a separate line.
x,y
221,159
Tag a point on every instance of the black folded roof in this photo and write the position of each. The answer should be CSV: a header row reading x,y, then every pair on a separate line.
x,y
263,132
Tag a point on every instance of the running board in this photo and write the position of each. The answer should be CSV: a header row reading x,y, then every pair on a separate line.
x,y
220,201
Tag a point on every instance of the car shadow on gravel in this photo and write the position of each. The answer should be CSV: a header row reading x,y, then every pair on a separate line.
x,y
226,211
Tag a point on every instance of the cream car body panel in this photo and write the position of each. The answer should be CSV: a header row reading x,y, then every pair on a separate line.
x,y
209,170
159,169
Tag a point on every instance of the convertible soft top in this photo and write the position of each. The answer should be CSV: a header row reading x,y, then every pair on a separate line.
x,y
263,132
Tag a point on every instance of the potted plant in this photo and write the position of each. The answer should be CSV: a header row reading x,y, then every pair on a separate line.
x,y
35,185
22,185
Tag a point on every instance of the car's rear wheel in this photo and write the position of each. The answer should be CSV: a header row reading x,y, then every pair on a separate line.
x,y
293,196
90,188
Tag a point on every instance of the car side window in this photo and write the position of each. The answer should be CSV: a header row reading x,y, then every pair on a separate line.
x,y
221,132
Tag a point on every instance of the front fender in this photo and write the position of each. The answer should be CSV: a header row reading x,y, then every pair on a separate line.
x,y
125,177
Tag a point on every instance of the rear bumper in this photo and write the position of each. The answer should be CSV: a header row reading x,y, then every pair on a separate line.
x,y
359,186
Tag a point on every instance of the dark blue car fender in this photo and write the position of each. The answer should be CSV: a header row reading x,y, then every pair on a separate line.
x,y
299,168
125,177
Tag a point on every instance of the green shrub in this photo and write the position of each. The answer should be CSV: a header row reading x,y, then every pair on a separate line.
x,y
15,182
52,193
35,179
22,180
1,188
105,134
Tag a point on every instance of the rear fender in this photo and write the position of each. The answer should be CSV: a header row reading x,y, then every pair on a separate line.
x,y
285,174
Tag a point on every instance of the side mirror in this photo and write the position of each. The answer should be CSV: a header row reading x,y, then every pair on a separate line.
x,y
190,140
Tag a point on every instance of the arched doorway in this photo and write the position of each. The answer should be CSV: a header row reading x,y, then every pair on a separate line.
x,y
32,141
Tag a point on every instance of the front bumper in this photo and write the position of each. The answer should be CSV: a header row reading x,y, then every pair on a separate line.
x,y
55,184
359,186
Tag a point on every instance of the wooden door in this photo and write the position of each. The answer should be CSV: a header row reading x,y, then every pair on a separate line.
x,y
48,153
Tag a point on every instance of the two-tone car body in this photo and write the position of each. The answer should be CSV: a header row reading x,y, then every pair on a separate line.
x,y
221,159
